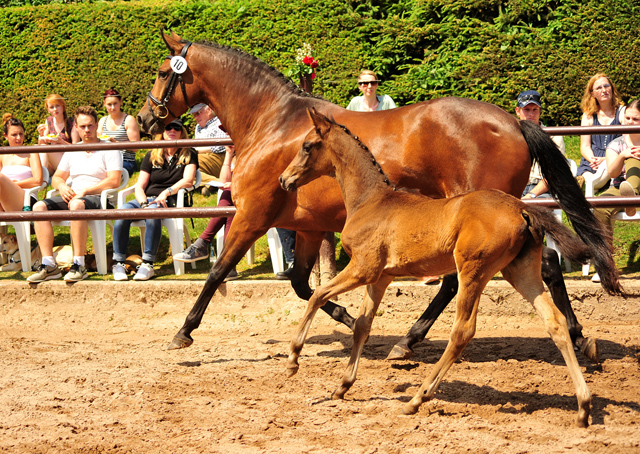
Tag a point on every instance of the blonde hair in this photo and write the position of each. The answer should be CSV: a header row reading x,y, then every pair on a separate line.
x,y
367,72
184,154
590,104
59,100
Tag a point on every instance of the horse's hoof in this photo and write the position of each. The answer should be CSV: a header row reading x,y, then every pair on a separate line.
x,y
179,342
338,394
291,371
399,352
589,347
582,422
410,409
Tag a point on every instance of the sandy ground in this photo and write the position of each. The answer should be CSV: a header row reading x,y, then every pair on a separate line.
x,y
85,370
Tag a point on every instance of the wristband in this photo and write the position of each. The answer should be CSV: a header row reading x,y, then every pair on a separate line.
x,y
144,204
533,196
170,190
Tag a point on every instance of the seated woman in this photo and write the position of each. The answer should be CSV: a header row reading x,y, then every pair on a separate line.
x,y
623,164
17,171
58,129
119,126
200,248
600,106
162,173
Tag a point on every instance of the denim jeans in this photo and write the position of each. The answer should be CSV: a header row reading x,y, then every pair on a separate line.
x,y
152,235
130,167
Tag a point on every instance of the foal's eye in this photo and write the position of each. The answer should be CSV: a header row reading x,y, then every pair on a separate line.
x,y
306,148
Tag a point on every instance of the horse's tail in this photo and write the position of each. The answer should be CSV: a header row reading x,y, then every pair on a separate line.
x,y
542,220
566,191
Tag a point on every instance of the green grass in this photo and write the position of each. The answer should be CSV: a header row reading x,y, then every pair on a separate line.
x,y
626,244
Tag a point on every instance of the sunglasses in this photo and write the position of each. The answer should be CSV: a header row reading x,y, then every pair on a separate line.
x,y
173,128
527,98
373,83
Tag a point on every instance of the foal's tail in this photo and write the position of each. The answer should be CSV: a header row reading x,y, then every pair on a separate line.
x,y
542,220
566,191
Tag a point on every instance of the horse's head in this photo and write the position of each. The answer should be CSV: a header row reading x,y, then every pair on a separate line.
x,y
170,96
312,161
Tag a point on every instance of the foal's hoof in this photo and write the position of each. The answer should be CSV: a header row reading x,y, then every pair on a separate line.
x,y
400,352
589,347
291,371
179,342
410,409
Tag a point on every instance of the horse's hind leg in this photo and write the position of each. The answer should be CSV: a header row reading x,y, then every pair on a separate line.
x,y
417,333
347,280
552,276
464,328
372,297
523,276
307,249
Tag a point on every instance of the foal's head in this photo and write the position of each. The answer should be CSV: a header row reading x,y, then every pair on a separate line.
x,y
314,158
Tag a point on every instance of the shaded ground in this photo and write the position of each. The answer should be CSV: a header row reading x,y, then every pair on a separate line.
x,y
84,369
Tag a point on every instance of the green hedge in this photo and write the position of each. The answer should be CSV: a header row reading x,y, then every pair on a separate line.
x,y
422,49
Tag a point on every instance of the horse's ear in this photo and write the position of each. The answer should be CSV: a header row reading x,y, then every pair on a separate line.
x,y
172,42
320,122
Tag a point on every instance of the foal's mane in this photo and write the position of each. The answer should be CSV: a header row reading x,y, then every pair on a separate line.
x,y
241,56
366,149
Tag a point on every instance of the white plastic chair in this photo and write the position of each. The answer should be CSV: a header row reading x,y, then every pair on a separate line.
x,y
23,228
176,227
98,228
593,182
558,213
273,240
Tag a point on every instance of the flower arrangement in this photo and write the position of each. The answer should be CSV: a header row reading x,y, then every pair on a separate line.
x,y
305,63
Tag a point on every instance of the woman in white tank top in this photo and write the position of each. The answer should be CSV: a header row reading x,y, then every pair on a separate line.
x,y
17,171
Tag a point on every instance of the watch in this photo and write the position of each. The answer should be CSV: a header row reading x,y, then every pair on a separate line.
x,y
533,196
170,189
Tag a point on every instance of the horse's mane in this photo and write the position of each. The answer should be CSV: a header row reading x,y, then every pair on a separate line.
x,y
242,56
366,149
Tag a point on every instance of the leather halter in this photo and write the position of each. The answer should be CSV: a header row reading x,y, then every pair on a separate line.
x,y
161,104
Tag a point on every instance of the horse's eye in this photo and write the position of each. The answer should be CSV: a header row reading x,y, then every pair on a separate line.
x,y
306,147
162,74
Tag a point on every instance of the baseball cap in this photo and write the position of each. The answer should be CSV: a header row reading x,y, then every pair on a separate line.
x,y
196,108
527,97
175,121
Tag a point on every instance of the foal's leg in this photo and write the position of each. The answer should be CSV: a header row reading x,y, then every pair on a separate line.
x,y
417,333
372,297
552,276
464,328
348,279
307,248
524,279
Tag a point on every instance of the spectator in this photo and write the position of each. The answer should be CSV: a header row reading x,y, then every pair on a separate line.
x,y
529,107
162,173
200,248
91,173
600,106
120,126
288,240
57,129
17,171
369,101
210,157
623,164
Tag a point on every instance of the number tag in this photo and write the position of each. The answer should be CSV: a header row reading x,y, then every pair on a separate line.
x,y
178,64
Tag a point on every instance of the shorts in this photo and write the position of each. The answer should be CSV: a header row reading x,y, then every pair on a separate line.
x,y
91,202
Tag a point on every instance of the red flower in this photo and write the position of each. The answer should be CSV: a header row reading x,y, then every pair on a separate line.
x,y
314,64
307,60
313,76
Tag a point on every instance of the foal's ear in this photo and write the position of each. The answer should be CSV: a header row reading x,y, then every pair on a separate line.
x,y
320,122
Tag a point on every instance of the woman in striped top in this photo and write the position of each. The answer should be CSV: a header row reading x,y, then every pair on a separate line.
x,y
119,127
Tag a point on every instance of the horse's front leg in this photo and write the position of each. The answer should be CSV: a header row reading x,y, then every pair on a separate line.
x,y
417,333
552,276
236,246
306,253
347,280
372,298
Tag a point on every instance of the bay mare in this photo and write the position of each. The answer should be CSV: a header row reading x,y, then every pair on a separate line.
x,y
444,147
390,233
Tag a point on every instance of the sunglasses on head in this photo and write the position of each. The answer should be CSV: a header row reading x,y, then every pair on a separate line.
x,y
527,98
373,83
173,127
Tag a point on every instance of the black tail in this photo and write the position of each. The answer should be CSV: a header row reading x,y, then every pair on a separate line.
x,y
542,220
566,191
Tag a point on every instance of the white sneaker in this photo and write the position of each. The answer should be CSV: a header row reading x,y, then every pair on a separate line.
x,y
595,278
119,272
144,273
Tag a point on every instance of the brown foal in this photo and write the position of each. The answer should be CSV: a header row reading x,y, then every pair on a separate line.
x,y
391,233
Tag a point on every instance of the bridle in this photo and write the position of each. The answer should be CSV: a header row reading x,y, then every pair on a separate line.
x,y
161,104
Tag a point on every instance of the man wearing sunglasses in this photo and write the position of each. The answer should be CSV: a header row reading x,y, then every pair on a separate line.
x,y
91,173
529,107
210,158
370,101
